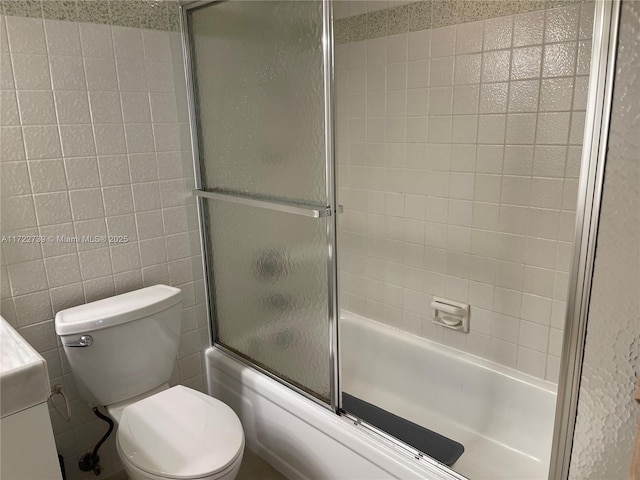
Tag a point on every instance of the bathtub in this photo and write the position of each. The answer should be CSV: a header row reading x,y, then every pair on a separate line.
x,y
503,418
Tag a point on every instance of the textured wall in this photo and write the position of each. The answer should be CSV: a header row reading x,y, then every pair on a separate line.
x,y
94,141
458,156
607,415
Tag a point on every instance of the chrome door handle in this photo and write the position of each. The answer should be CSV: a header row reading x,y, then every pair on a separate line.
x,y
84,341
313,212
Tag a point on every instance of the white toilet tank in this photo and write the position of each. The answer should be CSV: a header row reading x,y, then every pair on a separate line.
x,y
122,346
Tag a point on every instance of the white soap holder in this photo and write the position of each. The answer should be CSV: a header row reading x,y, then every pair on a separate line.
x,y
450,314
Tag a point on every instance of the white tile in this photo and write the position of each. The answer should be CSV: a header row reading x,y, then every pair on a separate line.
x,y
556,94
135,107
443,41
549,161
127,43
90,229
553,128
536,309
441,100
157,46
105,107
172,193
36,107
528,29
118,200
31,72
86,204
531,362
541,253
109,139
498,33
467,69
525,63
77,140
81,172
12,145
417,74
489,158
518,160
149,224
67,73
419,45
41,142
9,114
114,170
96,40
397,48
95,263
561,24
67,296
487,188
495,66
47,176
139,138
523,96
175,220
153,252
469,37
576,134
18,213
143,167
559,59
160,76
62,270
33,308
101,73
72,107
26,35
163,107
124,257
505,328
98,288
491,129
493,97
441,71
146,196
14,179
27,277
466,99
521,128
63,38
6,79
166,137
132,76
465,129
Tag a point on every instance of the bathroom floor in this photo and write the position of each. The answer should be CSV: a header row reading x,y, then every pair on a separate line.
x,y
253,468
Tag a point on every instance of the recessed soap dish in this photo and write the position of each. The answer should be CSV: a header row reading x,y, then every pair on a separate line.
x,y
450,314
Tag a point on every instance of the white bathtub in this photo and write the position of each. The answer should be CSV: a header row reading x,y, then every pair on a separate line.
x,y
503,418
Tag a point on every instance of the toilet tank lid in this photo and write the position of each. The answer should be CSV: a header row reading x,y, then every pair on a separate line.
x,y
116,310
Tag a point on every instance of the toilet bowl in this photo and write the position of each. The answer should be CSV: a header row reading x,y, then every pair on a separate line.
x,y
179,433
122,351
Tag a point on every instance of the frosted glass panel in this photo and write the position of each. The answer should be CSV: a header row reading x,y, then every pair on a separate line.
x,y
270,277
259,71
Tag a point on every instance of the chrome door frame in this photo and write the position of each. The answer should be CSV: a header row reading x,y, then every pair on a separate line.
x,y
330,212
601,78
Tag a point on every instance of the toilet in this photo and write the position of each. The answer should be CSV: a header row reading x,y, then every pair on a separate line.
x,y
121,351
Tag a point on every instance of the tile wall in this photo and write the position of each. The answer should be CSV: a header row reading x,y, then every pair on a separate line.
x,y
458,152
94,142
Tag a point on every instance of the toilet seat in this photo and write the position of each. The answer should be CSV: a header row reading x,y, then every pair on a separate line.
x,y
180,434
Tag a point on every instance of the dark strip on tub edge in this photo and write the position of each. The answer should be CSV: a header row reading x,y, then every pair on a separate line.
x,y
437,446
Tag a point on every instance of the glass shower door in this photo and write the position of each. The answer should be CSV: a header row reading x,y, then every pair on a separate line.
x,y
259,81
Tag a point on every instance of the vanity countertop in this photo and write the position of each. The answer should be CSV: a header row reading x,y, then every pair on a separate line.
x,y
24,381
